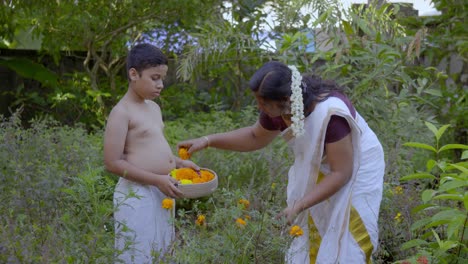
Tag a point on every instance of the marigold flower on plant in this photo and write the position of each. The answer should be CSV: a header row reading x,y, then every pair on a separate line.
x,y
398,217
200,220
240,222
398,189
167,203
245,203
183,153
296,231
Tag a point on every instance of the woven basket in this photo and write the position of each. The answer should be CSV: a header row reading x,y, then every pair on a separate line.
x,y
197,190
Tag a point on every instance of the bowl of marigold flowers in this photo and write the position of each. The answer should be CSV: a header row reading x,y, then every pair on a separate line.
x,y
195,184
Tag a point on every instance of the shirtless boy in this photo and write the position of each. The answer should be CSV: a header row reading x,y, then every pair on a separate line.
x,y
136,150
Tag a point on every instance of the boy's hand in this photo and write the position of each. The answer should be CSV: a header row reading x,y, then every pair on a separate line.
x,y
168,185
195,144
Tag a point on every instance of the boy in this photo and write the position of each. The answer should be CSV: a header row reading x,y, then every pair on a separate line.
x,y
136,150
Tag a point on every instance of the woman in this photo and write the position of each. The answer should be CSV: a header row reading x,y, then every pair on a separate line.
x,y
335,184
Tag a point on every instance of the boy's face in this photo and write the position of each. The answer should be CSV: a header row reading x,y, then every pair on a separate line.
x,y
149,83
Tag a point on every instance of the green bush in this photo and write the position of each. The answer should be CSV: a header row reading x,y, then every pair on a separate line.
x,y
56,199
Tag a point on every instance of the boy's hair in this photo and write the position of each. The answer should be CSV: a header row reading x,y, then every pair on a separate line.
x,y
144,56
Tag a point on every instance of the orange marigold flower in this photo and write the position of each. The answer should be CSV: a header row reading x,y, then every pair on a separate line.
x,y
183,153
192,175
240,222
296,231
245,203
200,220
167,203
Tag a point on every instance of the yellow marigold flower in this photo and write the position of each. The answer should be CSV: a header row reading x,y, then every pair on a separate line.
x,y
184,181
398,217
183,153
240,222
296,231
200,220
245,203
167,203
398,189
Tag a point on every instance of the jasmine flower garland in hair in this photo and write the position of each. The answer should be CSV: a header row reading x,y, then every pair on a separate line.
x,y
297,105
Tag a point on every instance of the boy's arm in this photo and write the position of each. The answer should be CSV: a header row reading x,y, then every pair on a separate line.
x,y
114,143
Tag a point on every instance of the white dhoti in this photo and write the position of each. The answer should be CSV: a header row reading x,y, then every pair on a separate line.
x,y
342,229
143,229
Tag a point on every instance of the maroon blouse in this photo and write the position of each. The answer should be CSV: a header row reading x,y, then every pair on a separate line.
x,y
337,127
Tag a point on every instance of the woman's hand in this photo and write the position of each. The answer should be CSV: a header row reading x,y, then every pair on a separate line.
x,y
290,213
195,144
189,164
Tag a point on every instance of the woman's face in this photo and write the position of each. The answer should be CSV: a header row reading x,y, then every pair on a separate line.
x,y
270,107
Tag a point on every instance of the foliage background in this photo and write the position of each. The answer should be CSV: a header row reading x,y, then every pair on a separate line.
x,y
399,72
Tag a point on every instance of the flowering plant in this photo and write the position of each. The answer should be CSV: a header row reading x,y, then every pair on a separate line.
x,y
241,222
297,105
167,203
296,231
201,220
245,203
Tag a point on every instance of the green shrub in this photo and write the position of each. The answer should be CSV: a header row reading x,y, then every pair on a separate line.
x,y
56,199
440,232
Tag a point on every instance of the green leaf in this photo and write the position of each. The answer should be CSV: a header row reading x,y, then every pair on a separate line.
x,y
447,244
347,28
431,127
416,176
464,155
441,131
421,207
453,146
413,243
461,168
455,226
445,216
430,164
456,197
453,184
434,92
30,69
426,195
420,145
465,201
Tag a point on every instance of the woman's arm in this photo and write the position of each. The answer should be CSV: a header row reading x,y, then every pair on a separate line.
x,y
243,139
340,158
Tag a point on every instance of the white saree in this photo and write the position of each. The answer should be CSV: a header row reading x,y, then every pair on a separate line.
x,y
342,229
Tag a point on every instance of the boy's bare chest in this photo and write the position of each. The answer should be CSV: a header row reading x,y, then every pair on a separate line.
x,y
145,127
